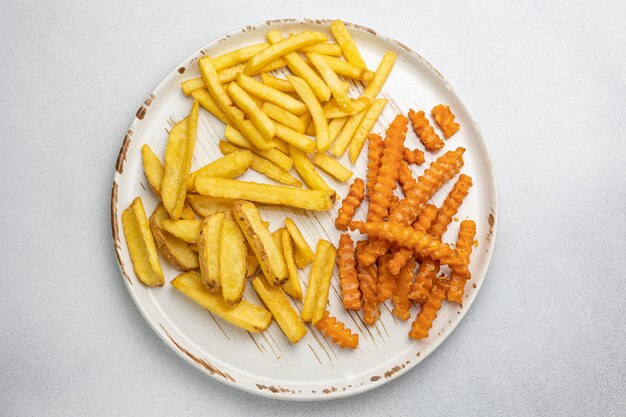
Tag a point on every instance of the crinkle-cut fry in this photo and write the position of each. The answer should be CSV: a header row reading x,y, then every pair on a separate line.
x,y
346,263
368,281
393,203
350,204
424,279
405,177
414,156
374,156
425,318
423,224
386,285
335,330
464,245
445,120
389,170
425,131
451,205
401,301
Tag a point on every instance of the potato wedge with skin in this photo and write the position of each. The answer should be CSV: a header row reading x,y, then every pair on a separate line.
x,y
152,168
187,230
235,137
305,169
175,251
204,206
252,263
332,166
292,285
324,282
315,108
260,239
228,166
319,280
278,304
245,315
232,262
303,253
141,244
209,250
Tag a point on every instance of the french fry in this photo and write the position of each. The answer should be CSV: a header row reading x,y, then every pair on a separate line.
x,y
271,95
229,74
192,84
252,263
225,76
276,235
209,250
273,155
141,244
306,170
294,138
320,200
303,253
278,304
308,97
282,146
292,285
332,166
204,206
445,120
334,127
260,120
277,83
299,68
330,49
238,55
310,129
187,230
319,282
306,119
428,314
349,48
228,166
260,239
282,48
380,76
232,262
152,168
424,130
175,251
178,156
245,315
264,166
335,330
187,213
343,140
365,127
207,102
283,116
349,70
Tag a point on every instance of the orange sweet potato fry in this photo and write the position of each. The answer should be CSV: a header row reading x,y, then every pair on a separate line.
x,y
464,245
445,120
337,332
424,278
374,156
368,279
414,156
423,224
451,205
350,204
386,280
405,177
425,131
401,302
346,263
425,318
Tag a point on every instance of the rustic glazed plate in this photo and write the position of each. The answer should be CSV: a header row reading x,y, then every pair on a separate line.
x,y
267,364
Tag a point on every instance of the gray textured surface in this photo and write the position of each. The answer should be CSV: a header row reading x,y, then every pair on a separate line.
x,y
547,84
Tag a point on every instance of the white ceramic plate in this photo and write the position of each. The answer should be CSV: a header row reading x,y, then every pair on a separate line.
x,y
267,364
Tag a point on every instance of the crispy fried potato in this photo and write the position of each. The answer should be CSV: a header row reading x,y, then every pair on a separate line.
x,y
332,166
349,70
330,49
315,108
364,129
271,95
252,263
207,102
281,48
282,116
324,281
294,138
310,129
279,158
305,169
238,55
335,126
228,166
303,253
319,281
381,75
187,213
175,251
225,76
276,235
187,230
278,304
332,81
204,206
277,83
232,255
152,168
345,136
245,315
292,285
141,244
241,98
349,48
209,250
282,146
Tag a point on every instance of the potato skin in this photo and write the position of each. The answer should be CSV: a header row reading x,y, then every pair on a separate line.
x,y
175,251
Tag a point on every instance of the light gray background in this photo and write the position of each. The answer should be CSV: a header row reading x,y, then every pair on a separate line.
x,y
546,81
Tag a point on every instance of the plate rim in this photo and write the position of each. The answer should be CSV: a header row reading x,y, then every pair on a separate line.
x,y
207,368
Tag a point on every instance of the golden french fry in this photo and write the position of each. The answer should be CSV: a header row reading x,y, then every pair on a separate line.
x,y
264,166
228,166
274,65
194,247
187,213
310,129
345,136
187,230
235,137
303,252
209,250
381,75
315,108
252,263
283,147
349,48
332,81
294,138
271,95
320,200
191,85
152,168
260,240
306,119
232,255
335,126
277,83
278,304
306,170
250,109
282,48
245,315
282,116
333,111
175,251
349,70
330,49
292,285
364,129
225,76
141,244
332,166
278,241
300,69
237,56
178,156
205,206
319,280
206,101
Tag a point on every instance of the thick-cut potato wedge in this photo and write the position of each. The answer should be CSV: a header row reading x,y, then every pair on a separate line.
x,y
319,282
332,81
364,129
264,166
263,123
300,69
306,170
282,116
187,213
245,315
277,83
381,75
315,108
260,239
209,250
206,101
332,166
292,285
175,251
187,230
343,140
349,70
303,253
252,263
281,48
141,244
335,126
152,168
271,95
294,138
228,166
278,304
238,55
232,254
204,206
330,49
274,155
319,200
345,41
